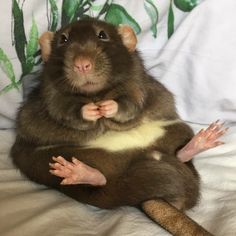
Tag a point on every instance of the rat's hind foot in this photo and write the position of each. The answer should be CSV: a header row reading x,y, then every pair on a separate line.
x,y
76,172
203,140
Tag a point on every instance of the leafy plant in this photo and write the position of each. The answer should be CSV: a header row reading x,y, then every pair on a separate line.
x,y
53,16
101,8
25,50
73,9
7,68
171,20
31,47
69,10
153,14
116,14
27,47
183,5
19,34
186,5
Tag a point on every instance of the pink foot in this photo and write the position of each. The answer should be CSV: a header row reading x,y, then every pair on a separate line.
x,y
203,140
76,172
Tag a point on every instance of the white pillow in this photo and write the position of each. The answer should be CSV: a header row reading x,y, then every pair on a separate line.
x,y
32,17
198,64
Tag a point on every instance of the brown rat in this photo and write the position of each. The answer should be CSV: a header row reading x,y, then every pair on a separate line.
x,y
97,103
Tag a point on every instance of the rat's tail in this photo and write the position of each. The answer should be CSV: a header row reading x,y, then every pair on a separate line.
x,y
173,220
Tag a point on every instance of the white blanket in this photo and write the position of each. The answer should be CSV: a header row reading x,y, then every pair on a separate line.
x,y
28,209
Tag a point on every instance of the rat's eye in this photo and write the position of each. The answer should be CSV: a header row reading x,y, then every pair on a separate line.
x,y
103,36
63,39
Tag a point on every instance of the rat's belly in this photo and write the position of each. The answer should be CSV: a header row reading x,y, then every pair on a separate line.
x,y
141,136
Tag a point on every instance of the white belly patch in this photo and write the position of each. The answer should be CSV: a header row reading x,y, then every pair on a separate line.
x,y
139,137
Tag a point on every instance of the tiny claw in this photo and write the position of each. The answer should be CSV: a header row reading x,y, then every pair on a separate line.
x,y
226,129
51,165
219,124
75,161
220,143
52,172
63,182
201,131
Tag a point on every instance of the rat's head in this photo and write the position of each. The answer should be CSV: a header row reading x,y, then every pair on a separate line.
x,y
88,56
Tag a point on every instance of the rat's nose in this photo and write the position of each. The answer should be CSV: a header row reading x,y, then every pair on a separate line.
x,y
82,65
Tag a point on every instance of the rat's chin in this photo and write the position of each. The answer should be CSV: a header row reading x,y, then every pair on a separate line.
x,y
87,84
91,87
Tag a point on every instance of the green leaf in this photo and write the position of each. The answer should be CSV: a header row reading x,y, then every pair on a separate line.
x,y
69,10
10,87
153,14
117,15
19,33
54,15
97,7
186,5
101,8
7,67
7,88
171,20
32,46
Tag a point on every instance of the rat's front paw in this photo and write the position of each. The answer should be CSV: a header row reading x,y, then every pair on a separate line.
x,y
90,112
108,108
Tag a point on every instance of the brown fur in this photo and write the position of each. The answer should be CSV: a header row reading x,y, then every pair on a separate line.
x,y
50,124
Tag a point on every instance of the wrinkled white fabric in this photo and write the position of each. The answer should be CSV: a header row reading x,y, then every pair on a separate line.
x,y
29,209
198,63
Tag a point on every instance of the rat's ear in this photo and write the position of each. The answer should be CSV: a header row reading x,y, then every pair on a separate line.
x,y
45,44
128,37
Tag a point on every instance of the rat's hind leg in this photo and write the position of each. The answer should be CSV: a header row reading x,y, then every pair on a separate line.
x,y
202,141
76,172
142,178
34,162
158,176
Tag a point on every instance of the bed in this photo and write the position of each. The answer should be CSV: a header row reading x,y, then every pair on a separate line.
x,y
198,64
